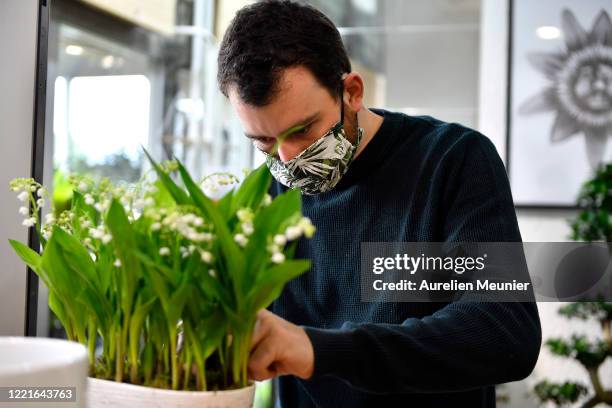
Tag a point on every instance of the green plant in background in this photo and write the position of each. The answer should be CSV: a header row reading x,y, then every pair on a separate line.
x,y
62,193
593,223
118,166
167,278
561,394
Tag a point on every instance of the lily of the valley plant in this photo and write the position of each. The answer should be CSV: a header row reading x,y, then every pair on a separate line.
x,y
167,280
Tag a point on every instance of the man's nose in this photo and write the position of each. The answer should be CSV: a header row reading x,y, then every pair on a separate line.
x,y
287,151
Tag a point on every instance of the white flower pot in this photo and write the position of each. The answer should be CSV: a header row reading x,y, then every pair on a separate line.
x,y
107,394
43,362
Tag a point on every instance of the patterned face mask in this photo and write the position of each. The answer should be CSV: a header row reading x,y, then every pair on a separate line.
x,y
321,165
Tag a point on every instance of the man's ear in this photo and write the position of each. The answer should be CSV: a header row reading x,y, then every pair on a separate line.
x,y
353,90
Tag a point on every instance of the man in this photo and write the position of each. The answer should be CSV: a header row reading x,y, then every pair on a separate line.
x,y
412,179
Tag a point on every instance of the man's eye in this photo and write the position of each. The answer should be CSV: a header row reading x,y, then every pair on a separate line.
x,y
301,131
263,143
263,140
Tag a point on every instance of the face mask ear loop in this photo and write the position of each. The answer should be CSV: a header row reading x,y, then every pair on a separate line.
x,y
359,131
342,102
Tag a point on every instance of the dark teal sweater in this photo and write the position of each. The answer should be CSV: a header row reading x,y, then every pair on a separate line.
x,y
419,179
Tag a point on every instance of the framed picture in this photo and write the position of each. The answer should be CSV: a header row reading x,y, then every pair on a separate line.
x,y
559,98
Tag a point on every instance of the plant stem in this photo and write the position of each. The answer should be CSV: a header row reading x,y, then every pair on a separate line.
x,y
119,362
247,341
173,358
236,362
134,338
202,373
38,227
591,402
188,366
200,361
148,361
91,346
225,359
606,327
134,371
594,376
111,350
245,362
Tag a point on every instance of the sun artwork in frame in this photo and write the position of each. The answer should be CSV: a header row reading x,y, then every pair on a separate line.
x,y
579,88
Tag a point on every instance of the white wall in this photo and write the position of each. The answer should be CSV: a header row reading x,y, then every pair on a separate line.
x,y
535,224
18,21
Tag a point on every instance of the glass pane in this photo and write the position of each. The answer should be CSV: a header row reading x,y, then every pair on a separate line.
x,y
101,105
108,122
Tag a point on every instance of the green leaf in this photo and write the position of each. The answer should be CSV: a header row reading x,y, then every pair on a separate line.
x,y
210,331
67,286
161,196
231,255
268,221
125,245
27,255
77,256
211,287
270,284
175,191
178,299
81,207
225,205
104,267
32,259
253,189
77,259
284,207
58,271
57,308
141,310
167,272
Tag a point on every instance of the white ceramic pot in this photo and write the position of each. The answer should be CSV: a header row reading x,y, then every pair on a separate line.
x,y
43,362
107,394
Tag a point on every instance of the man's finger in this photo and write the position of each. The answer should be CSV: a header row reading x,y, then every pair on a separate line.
x,y
261,361
262,375
260,329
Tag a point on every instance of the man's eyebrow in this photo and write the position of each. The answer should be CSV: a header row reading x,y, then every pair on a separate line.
x,y
304,122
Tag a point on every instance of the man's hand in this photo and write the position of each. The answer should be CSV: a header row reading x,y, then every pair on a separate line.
x,y
279,348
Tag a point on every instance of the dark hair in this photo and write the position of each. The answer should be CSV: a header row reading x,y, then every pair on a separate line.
x,y
266,37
